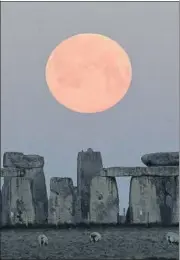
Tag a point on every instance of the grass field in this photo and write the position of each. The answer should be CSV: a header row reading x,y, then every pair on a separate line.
x,y
117,242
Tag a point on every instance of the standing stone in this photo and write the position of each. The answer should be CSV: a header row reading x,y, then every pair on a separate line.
x,y
104,200
20,208
166,189
153,199
25,198
61,201
175,211
77,213
89,164
143,199
39,194
6,201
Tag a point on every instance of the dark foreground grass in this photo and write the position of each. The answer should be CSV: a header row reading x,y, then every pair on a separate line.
x,y
73,243
87,225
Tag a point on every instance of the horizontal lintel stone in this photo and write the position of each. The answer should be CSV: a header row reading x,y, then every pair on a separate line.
x,y
12,172
160,171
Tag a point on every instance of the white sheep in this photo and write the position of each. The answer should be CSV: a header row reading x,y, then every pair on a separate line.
x,y
42,240
12,217
172,238
12,214
95,237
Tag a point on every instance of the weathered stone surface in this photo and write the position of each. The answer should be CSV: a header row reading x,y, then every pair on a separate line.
x,y
19,160
61,201
161,159
153,199
77,212
143,199
10,157
104,200
89,164
6,201
12,172
140,171
17,202
39,194
28,191
175,211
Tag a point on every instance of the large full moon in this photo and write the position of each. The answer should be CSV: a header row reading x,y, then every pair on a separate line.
x,y
88,73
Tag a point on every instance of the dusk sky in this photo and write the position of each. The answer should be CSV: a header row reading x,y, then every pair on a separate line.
x,y
144,121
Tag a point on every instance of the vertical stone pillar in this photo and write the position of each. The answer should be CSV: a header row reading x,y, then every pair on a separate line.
x,y
143,199
24,199
175,211
104,200
6,201
21,203
39,194
77,212
154,199
167,188
17,205
61,201
89,164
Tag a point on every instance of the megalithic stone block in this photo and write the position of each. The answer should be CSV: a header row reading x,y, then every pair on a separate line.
x,y
89,164
12,172
39,194
6,202
160,171
10,158
104,200
161,159
175,211
77,212
19,160
153,200
61,201
17,205
143,199
30,190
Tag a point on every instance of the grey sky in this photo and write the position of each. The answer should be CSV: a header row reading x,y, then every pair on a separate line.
x,y
146,120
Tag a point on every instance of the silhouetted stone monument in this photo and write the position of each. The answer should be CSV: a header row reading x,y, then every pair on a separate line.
x,y
104,200
89,164
24,199
61,201
153,196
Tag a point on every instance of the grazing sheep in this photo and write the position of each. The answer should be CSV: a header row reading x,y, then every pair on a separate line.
x,y
42,240
95,237
12,215
172,238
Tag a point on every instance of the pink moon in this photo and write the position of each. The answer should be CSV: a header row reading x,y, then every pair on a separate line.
x,y
88,73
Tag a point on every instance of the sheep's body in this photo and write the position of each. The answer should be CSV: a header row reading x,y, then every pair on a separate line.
x,y
172,238
42,240
95,237
12,216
